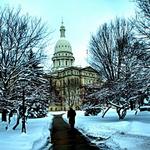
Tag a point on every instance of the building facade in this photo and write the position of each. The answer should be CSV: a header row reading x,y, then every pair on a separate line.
x,y
67,80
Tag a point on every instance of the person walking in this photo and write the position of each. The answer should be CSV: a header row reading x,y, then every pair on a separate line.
x,y
71,116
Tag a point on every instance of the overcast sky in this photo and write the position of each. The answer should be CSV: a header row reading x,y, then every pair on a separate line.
x,y
81,19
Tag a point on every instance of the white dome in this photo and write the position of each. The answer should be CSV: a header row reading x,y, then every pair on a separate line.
x,y
63,45
63,56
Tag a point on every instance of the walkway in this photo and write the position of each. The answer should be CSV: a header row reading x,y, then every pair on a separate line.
x,y
63,138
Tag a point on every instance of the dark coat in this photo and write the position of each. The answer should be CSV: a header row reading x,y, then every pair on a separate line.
x,y
71,115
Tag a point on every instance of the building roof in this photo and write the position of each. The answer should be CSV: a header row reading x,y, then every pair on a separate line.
x,y
88,68
63,45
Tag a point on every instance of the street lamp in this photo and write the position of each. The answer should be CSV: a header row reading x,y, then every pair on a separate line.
x,y
23,82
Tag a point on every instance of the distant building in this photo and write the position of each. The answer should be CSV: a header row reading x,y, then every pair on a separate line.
x,y
66,79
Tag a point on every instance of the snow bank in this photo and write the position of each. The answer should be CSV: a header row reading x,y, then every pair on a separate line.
x,y
34,139
131,133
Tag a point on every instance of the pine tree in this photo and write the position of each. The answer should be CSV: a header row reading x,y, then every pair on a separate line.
x,y
37,90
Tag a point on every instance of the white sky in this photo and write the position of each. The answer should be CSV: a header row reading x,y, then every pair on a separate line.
x,y
81,19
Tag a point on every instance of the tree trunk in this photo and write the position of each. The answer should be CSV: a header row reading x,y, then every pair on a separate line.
x,y
17,123
4,115
106,111
121,112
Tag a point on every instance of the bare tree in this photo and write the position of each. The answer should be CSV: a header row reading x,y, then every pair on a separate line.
x,y
18,34
142,24
121,59
114,54
108,48
142,20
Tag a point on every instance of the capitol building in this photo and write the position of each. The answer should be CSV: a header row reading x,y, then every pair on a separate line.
x,y
67,80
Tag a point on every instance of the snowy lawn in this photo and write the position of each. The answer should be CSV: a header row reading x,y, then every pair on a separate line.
x,y
132,133
34,139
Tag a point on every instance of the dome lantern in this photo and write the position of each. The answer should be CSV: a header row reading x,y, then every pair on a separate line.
x,y
62,29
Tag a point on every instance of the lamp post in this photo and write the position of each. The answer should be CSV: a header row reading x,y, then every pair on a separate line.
x,y
23,84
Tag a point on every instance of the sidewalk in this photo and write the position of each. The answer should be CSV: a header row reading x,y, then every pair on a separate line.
x,y
63,138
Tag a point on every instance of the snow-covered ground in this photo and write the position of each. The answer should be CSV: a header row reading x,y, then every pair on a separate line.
x,y
132,133
34,139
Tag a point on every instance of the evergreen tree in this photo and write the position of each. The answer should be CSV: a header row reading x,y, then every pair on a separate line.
x,y
37,90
